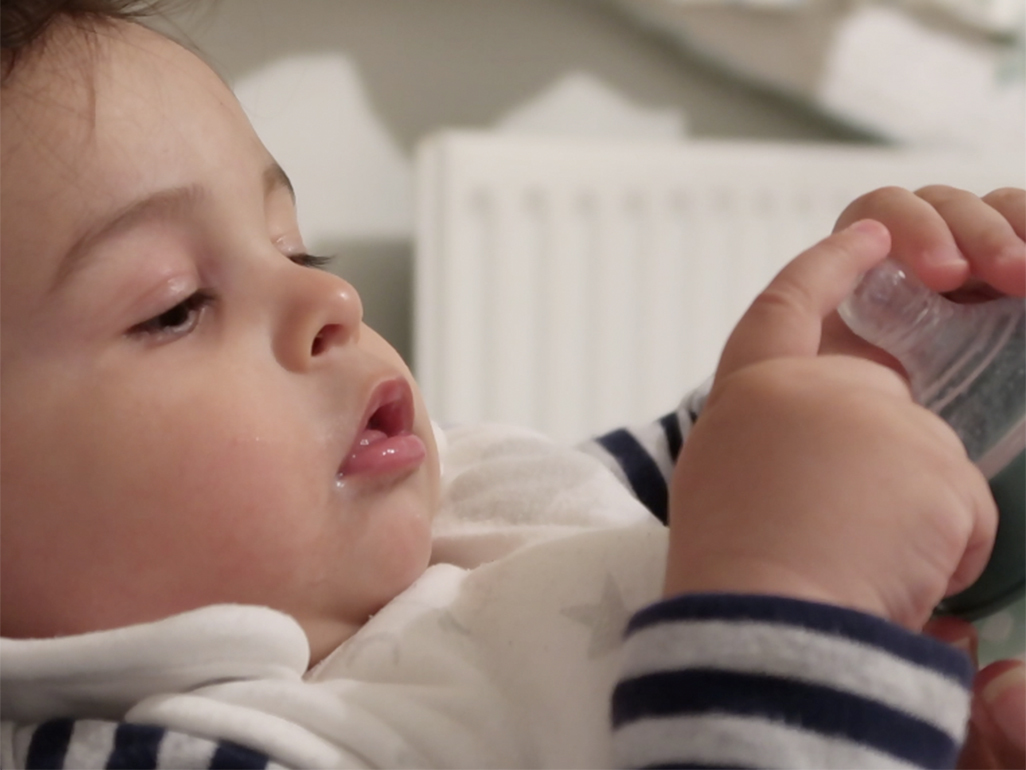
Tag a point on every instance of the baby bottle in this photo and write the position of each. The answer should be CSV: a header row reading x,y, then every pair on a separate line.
x,y
967,364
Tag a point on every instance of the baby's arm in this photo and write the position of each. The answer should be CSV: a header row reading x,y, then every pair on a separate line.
x,y
795,483
734,680
642,456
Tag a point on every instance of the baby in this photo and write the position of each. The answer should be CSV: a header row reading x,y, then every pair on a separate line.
x,y
224,513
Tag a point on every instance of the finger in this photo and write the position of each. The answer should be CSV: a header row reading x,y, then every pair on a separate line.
x,y
986,238
921,239
999,711
786,318
977,753
839,339
1011,203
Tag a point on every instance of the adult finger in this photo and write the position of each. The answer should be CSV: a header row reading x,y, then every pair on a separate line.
x,y
999,711
920,238
956,632
786,318
984,235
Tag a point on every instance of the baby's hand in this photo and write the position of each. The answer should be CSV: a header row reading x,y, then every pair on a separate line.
x,y
818,477
955,242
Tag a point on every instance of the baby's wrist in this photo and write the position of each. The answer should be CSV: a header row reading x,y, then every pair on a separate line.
x,y
761,577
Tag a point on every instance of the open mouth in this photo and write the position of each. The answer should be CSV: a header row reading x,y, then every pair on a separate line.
x,y
385,444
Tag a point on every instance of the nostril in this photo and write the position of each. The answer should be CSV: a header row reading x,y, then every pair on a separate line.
x,y
328,335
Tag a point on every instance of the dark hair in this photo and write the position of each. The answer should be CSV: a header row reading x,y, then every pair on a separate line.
x,y
24,23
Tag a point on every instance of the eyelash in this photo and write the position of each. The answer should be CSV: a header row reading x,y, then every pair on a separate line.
x,y
311,260
183,317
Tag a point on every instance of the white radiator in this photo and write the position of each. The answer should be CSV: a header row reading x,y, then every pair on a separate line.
x,y
572,286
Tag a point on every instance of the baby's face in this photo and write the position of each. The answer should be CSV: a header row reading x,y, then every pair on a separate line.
x,y
191,415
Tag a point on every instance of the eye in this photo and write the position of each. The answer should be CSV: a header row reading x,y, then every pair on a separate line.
x,y
310,260
176,321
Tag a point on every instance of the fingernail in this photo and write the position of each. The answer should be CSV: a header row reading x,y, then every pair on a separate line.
x,y
945,258
1005,697
869,227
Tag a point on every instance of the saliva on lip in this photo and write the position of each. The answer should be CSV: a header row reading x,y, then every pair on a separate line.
x,y
967,364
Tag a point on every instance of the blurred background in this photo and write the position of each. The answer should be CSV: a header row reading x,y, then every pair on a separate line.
x,y
452,154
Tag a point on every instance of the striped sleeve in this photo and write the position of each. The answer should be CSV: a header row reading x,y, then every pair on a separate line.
x,y
723,680
95,743
642,457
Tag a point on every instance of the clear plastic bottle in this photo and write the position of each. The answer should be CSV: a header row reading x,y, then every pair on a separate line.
x,y
967,364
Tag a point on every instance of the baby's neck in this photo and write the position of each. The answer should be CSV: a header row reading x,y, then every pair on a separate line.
x,y
325,635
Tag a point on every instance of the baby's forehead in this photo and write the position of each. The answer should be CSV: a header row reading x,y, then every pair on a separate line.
x,y
91,124
86,92
78,71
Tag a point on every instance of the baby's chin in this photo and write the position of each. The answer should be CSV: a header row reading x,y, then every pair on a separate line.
x,y
399,563
325,635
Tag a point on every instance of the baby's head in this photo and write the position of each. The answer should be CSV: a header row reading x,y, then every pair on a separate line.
x,y
192,413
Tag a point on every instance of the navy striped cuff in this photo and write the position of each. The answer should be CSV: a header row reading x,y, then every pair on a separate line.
x,y
813,616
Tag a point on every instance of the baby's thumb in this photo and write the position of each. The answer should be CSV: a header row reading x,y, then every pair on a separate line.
x,y
786,319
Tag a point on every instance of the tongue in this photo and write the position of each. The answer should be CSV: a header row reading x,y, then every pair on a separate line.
x,y
369,436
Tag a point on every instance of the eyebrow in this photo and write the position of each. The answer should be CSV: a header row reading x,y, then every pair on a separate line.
x,y
169,204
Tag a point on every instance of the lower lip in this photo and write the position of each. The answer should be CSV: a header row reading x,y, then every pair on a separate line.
x,y
374,456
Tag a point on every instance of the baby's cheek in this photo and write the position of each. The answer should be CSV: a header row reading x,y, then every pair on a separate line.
x,y
247,522
252,489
